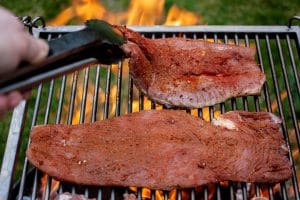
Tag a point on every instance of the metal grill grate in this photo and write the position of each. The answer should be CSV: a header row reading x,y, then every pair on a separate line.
x,y
104,91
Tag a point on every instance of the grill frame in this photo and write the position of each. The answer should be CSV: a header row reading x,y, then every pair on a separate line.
x,y
277,32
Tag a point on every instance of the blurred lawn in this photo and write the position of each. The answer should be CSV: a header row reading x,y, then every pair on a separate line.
x,y
223,12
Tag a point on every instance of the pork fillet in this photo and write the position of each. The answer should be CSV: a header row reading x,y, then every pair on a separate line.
x,y
191,73
163,150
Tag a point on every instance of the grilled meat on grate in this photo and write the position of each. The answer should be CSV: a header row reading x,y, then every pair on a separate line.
x,y
163,149
191,73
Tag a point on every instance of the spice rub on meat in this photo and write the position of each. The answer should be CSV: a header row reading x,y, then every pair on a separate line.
x,y
191,73
163,149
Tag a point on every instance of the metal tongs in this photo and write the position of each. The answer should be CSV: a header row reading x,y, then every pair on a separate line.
x,y
97,42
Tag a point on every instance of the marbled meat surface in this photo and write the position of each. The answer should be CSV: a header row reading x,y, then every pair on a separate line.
x,y
191,73
163,149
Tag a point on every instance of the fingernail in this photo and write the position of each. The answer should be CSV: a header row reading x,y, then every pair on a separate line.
x,y
14,99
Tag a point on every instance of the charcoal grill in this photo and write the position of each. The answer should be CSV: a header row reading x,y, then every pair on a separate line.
x,y
103,91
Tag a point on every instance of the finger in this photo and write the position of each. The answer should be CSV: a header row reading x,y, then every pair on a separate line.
x,y
36,51
3,104
14,98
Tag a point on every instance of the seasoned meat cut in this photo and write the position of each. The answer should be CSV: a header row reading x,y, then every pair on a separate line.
x,y
163,149
191,73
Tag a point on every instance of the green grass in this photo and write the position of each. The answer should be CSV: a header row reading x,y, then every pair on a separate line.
x,y
223,12
239,12
45,8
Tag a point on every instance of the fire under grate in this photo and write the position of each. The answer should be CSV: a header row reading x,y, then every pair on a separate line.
x,y
105,91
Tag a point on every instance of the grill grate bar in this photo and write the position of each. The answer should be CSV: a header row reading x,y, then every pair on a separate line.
x,y
13,141
179,195
60,190
49,102
222,105
244,190
107,92
166,195
288,40
96,93
271,195
139,192
49,179
218,192
245,99
284,127
72,98
130,94
265,86
236,42
86,193
35,183
48,188
61,98
25,166
205,193
152,194
233,100
257,190
141,101
99,196
287,87
256,103
231,192
283,191
84,94
119,89
215,38
71,106
112,194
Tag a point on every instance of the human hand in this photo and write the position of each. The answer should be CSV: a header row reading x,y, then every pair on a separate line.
x,y
16,45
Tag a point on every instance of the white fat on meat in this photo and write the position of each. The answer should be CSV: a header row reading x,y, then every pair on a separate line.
x,y
275,119
69,196
220,121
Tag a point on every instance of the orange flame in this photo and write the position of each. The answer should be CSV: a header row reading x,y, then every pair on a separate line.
x,y
159,195
145,12
177,17
82,9
140,12
54,187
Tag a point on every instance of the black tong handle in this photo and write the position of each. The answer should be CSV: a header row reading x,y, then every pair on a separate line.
x,y
66,54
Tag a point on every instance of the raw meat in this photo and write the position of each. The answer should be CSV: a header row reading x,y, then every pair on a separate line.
x,y
191,73
163,149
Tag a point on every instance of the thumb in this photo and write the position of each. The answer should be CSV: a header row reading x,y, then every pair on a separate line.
x,y
37,49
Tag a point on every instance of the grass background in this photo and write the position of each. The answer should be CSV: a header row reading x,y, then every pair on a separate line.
x,y
213,12
223,12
